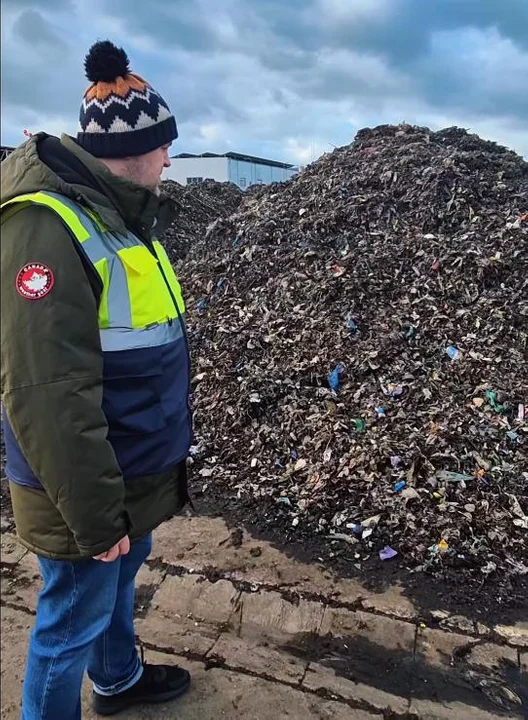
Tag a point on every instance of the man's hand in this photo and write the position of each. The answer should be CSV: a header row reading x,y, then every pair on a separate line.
x,y
122,548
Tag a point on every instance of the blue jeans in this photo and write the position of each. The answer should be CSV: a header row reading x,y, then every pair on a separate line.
x,y
85,620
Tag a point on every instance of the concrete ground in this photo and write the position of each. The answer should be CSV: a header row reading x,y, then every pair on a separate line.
x,y
267,637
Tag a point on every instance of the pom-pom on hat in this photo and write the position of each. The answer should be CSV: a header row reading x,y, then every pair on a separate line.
x,y
121,114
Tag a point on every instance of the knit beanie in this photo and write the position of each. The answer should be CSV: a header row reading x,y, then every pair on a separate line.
x,y
121,114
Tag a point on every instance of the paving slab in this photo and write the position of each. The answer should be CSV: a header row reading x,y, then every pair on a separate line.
x,y
214,693
364,654
187,614
390,602
176,636
515,635
437,648
490,656
194,597
498,670
219,693
323,679
391,633
11,551
193,543
269,614
455,670
24,584
257,656
430,710
14,635
148,581
458,623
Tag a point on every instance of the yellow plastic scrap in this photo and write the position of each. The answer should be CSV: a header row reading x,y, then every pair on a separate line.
x,y
443,545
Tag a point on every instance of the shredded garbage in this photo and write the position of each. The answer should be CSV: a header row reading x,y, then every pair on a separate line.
x,y
199,206
421,238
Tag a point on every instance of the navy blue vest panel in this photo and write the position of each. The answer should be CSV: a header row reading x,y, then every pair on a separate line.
x,y
145,401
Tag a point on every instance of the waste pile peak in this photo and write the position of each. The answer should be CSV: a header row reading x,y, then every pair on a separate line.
x,y
398,177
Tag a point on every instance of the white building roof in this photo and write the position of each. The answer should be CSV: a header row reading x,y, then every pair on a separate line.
x,y
235,156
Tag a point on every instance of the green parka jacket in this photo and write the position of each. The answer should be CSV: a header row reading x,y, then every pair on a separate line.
x,y
52,363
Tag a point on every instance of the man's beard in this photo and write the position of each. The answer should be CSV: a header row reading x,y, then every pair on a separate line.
x,y
156,189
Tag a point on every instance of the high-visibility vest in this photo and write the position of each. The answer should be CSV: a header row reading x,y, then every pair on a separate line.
x,y
144,290
144,343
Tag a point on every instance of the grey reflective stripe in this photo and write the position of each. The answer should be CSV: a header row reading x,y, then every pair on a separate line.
x,y
116,339
119,311
106,245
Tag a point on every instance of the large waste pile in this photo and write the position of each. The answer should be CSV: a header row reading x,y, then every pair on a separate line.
x,y
198,206
360,342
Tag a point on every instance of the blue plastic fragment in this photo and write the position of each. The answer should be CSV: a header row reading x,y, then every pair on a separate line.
x,y
453,352
399,486
380,412
387,553
351,324
394,390
333,378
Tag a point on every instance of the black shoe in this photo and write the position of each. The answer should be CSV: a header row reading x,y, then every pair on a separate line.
x,y
158,684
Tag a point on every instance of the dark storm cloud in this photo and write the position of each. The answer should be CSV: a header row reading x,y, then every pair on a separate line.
x,y
279,72
408,27
33,75
34,56
402,34
171,23
51,5
487,81
33,29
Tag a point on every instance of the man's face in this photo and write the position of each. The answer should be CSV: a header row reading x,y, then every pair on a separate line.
x,y
146,169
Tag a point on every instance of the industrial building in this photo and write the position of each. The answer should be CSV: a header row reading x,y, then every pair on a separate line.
x,y
242,170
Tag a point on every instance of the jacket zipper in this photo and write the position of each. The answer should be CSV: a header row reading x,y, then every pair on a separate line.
x,y
150,247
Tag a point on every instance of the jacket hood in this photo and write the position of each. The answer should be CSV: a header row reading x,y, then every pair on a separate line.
x,y
46,163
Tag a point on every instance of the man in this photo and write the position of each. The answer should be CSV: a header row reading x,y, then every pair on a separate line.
x,y
95,381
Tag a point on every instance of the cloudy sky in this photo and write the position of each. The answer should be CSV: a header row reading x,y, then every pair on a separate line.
x,y
286,79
